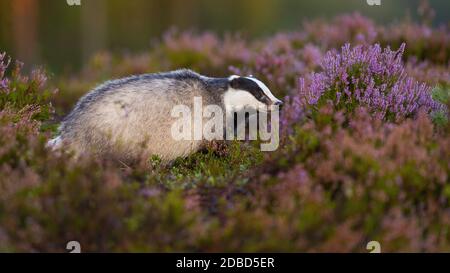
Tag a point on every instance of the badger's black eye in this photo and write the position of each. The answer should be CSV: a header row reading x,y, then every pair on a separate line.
x,y
252,87
265,99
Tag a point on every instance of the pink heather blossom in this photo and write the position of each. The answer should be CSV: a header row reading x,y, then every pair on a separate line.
x,y
368,76
3,66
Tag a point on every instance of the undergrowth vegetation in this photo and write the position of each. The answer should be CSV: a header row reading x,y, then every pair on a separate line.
x,y
364,152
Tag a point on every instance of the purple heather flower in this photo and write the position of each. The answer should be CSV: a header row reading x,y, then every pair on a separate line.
x,y
353,28
39,77
292,113
3,66
368,76
312,55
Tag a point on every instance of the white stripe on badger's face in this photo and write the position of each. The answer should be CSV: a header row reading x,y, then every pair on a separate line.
x,y
265,89
239,99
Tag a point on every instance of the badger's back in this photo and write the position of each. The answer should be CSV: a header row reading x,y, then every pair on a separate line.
x,y
131,117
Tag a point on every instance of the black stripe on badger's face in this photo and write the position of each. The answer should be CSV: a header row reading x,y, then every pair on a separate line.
x,y
256,88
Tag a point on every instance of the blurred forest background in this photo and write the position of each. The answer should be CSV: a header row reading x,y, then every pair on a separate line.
x,y
63,37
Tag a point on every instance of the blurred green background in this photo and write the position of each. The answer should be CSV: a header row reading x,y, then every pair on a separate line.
x,y
62,37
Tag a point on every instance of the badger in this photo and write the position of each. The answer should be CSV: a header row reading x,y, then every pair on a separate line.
x,y
129,118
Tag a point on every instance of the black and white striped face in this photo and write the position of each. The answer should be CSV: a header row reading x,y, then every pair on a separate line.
x,y
249,92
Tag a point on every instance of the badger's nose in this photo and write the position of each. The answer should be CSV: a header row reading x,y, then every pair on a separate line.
x,y
278,103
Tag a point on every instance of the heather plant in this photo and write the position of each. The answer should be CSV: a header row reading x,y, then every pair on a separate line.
x,y
20,91
369,179
368,76
348,28
424,42
203,52
427,72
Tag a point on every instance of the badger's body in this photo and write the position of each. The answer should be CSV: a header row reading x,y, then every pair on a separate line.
x,y
130,118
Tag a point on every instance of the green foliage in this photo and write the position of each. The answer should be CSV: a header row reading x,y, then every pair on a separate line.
x,y
442,95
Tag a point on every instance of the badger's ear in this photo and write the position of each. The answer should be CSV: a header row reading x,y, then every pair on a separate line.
x,y
235,82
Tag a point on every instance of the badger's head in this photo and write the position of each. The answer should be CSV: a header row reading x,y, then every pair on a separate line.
x,y
249,92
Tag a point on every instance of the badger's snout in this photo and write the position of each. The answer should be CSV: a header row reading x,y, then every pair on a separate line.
x,y
278,103
275,106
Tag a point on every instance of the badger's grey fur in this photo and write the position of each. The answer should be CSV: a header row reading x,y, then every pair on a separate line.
x,y
131,117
